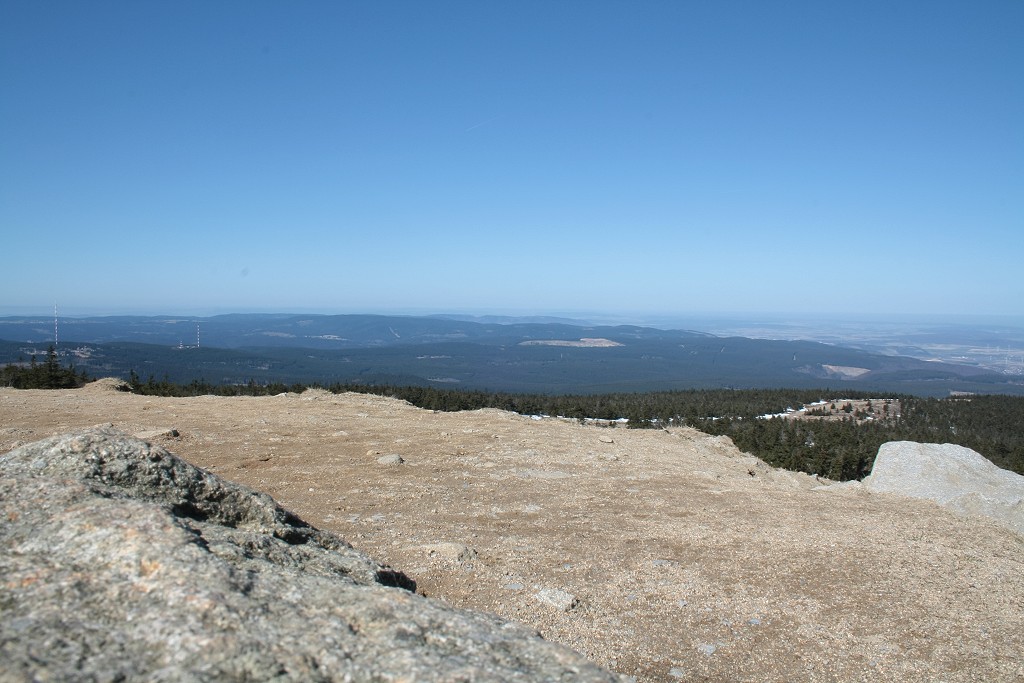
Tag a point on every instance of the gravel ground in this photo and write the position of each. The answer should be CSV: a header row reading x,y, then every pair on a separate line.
x,y
665,555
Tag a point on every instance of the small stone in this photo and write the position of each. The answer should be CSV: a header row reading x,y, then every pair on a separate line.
x,y
390,460
606,439
151,434
707,649
452,552
561,600
676,672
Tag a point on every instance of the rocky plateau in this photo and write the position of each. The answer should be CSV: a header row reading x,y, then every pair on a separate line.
x,y
657,555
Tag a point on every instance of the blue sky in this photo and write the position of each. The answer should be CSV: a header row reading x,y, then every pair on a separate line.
x,y
520,157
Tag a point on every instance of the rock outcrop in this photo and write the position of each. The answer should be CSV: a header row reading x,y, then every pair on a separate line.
x,y
952,476
122,562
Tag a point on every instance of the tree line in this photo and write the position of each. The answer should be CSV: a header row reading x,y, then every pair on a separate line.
x,y
50,374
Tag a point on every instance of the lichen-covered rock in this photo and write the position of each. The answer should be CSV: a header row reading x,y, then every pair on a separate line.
x,y
123,562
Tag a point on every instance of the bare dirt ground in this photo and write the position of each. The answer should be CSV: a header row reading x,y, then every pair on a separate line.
x,y
664,555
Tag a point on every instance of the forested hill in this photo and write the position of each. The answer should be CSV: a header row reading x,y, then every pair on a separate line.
x,y
544,357
239,330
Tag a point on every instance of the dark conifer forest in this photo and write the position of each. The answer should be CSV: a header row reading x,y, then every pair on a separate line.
x,y
49,374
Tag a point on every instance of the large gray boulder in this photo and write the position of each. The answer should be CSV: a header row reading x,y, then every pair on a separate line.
x,y
122,562
953,476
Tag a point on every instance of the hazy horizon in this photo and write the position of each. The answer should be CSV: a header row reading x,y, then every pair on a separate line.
x,y
656,159
650,318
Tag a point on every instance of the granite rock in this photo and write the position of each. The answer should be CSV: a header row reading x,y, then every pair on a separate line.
x,y
123,562
953,476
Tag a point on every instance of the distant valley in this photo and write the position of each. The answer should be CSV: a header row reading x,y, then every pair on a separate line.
x,y
515,355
